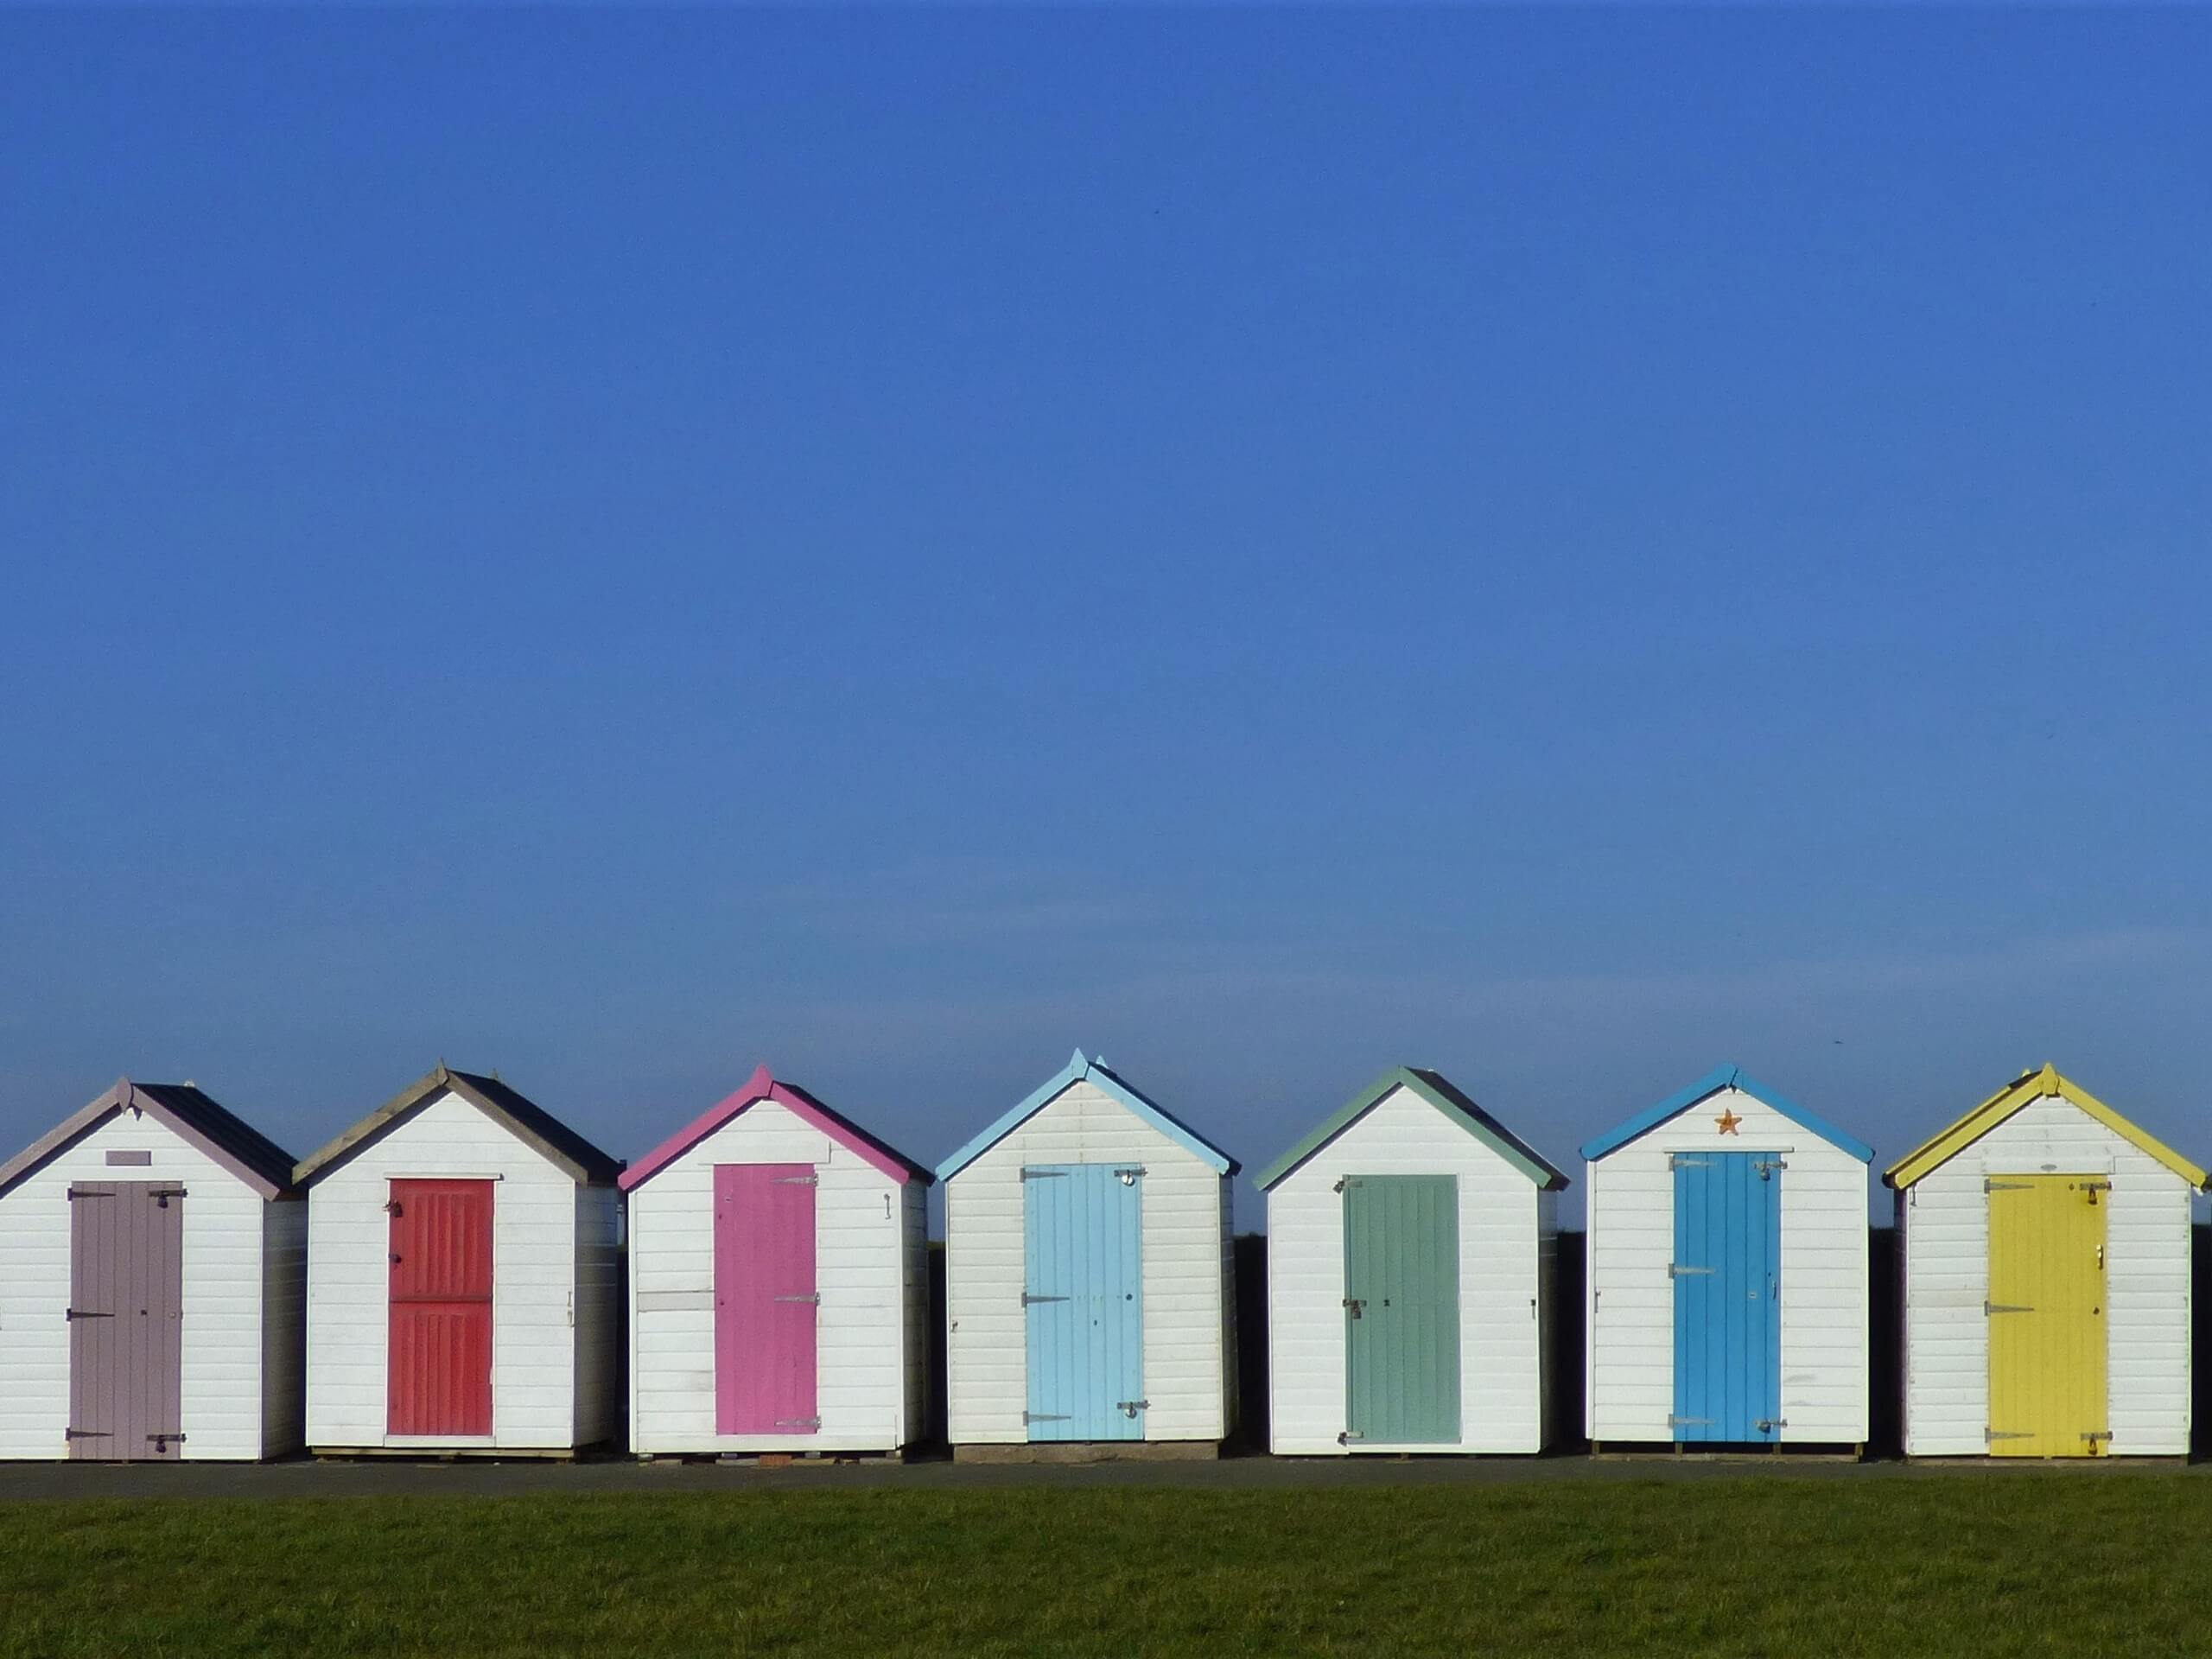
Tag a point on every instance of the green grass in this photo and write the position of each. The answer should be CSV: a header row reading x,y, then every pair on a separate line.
x,y
1964,1564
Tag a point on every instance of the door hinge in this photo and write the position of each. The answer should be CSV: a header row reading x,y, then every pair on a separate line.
x,y
87,1434
162,1195
1766,1167
1685,1160
1990,1436
161,1441
1768,1424
796,1181
1028,1300
1131,1173
1358,1305
1030,1174
71,1315
1348,1436
1045,1417
1130,1407
1676,1270
2093,1435
1989,1308
799,1423
1343,1183
1991,1186
813,1296
1674,1421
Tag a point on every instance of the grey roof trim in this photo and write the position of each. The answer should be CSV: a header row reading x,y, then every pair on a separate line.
x,y
529,1122
184,1110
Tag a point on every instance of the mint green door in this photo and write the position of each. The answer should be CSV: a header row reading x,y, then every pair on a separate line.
x,y
1401,1310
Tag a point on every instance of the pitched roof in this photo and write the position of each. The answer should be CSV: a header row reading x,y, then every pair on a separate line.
x,y
1725,1077
1439,1091
1078,1070
2041,1083
527,1121
182,1108
763,1086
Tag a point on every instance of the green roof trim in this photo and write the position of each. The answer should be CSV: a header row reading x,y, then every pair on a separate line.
x,y
1439,1091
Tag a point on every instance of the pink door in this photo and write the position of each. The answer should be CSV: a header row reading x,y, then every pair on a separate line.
x,y
765,1299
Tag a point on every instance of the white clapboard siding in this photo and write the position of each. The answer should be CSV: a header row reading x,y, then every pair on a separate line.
x,y
870,1268
284,1326
228,1410
535,1281
1631,1308
1501,1291
1945,1218
1186,1370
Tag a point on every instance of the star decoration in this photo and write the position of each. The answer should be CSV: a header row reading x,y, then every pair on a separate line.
x,y
1727,1121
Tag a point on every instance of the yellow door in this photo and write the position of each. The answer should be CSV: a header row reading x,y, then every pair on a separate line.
x,y
2047,1315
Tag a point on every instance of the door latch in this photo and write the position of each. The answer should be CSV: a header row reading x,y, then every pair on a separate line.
x,y
1130,1407
1358,1305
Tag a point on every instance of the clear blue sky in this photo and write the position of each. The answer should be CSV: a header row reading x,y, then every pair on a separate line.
x,y
1567,547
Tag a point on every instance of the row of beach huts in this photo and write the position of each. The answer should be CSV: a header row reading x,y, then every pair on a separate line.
x,y
449,1276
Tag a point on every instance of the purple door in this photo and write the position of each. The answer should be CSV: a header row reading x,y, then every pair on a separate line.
x,y
765,1299
126,1305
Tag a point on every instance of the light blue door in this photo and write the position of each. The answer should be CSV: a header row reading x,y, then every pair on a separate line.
x,y
1083,1228
1727,1276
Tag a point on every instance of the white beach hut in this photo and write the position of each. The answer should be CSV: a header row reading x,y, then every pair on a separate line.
x,y
152,1251
2045,1242
1089,1270
779,1283
1727,1272
463,1284
1411,1242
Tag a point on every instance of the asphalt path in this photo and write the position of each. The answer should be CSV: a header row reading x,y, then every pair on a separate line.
x,y
304,1478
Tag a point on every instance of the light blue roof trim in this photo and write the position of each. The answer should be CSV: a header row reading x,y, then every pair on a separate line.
x,y
1725,1077
1077,1071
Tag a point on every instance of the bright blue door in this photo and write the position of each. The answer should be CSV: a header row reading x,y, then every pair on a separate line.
x,y
1083,1228
1728,1275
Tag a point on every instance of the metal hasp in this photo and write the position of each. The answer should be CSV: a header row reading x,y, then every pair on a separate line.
x,y
1130,1407
799,1423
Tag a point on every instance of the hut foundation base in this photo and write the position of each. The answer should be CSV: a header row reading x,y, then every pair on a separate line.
x,y
1089,1451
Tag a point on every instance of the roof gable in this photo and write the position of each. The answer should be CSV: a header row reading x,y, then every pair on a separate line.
x,y
1454,1106
1078,1070
1725,1077
2043,1083
190,1116
524,1119
763,1086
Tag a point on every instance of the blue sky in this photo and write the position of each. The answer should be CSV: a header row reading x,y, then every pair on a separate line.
x,y
1569,547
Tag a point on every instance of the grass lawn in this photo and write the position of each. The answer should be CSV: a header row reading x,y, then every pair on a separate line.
x,y
1954,1563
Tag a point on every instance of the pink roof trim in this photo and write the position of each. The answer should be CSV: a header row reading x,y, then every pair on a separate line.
x,y
760,1086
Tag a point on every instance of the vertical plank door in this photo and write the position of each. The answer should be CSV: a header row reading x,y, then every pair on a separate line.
x,y
126,1313
1727,1283
1402,1309
440,1375
2048,1362
766,1300
1083,1227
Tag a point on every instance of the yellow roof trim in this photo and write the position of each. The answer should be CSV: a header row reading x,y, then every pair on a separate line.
x,y
2008,1099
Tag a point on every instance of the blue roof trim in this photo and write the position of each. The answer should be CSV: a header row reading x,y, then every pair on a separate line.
x,y
1075,1070
1725,1077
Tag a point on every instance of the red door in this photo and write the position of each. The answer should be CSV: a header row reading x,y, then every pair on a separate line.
x,y
441,1375
765,1299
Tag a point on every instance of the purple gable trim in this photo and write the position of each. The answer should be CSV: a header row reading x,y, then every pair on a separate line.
x,y
127,1096
762,1085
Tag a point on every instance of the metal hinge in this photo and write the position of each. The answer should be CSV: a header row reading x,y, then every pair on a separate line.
x,y
161,1441
796,1181
71,1315
162,1196
1358,1305
87,1434
1028,1300
1045,1417
1029,1174
1766,1167
799,1423
813,1296
1348,1436
1130,1407
1989,1308
1768,1424
1343,1181
1130,1172
1674,1421
1989,1186
1684,1160
2093,1435
1990,1435
1676,1270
